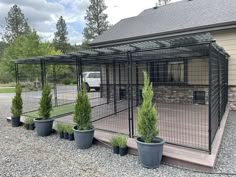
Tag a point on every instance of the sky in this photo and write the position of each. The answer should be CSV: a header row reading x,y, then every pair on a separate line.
x,y
43,14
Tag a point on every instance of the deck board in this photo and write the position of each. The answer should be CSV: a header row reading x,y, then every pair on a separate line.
x,y
186,125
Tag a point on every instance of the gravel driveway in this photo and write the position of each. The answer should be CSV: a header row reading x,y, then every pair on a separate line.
x,y
22,153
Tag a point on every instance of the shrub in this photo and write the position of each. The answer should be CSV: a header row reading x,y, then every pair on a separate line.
x,y
119,140
17,103
60,128
45,103
29,120
123,141
147,114
69,129
115,141
67,81
82,115
74,82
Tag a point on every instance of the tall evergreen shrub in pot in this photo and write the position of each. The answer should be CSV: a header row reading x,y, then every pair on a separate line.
x,y
16,108
44,123
150,147
83,131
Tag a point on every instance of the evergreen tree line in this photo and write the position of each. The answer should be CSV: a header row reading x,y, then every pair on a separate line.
x,y
20,40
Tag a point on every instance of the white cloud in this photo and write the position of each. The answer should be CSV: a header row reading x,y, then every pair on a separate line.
x,y
43,14
119,9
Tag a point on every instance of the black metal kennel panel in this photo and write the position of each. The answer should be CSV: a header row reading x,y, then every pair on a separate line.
x,y
30,79
63,82
113,115
218,90
189,76
179,78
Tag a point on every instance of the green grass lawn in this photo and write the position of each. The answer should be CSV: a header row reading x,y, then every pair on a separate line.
x,y
7,89
57,111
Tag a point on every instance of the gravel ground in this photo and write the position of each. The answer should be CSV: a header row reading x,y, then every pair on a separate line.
x,y
22,153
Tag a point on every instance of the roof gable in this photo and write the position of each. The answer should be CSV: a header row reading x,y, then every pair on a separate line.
x,y
173,17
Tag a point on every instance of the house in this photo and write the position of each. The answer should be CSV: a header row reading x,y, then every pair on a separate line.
x,y
218,17
184,80
188,50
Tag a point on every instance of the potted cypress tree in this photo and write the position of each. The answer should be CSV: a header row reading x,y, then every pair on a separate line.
x,y
44,123
16,108
83,131
150,147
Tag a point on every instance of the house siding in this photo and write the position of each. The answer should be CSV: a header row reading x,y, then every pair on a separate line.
x,y
227,40
198,72
197,81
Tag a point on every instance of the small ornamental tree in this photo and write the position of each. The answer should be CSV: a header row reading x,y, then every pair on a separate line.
x,y
147,113
17,103
82,116
45,103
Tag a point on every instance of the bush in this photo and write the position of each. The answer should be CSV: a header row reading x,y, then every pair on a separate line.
x,y
69,129
119,140
67,81
82,116
60,128
29,120
74,82
45,103
123,141
115,141
17,103
147,114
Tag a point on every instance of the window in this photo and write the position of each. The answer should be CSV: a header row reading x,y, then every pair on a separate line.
x,y
94,75
176,72
199,97
169,72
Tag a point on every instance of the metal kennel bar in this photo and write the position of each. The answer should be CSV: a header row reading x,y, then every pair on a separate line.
x,y
189,76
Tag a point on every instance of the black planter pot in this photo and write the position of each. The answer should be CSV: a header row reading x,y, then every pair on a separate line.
x,y
43,127
26,126
123,151
61,135
116,149
71,137
83,138
31,127
65,135
15,121
150,154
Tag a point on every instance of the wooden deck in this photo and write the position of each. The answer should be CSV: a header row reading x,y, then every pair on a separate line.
x,y
190,129
185,125
176,155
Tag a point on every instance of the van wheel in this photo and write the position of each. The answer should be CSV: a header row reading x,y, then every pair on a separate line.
x,y
97,89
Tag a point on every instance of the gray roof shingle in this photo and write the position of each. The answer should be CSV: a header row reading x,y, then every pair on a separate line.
x,y
173,17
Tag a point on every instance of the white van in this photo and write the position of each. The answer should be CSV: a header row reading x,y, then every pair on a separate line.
x,y
92,80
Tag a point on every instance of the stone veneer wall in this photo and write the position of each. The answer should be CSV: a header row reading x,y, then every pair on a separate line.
x,y
168,94
178,94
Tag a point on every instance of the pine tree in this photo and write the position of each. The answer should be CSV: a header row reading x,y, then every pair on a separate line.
x,y
60,36
147,113
16,24
82,116
45,103
96,19
17,103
